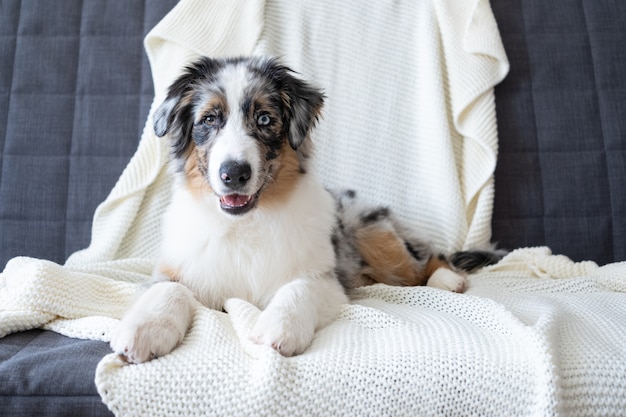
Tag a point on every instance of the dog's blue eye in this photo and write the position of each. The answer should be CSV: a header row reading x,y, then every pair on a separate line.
x,y
264,120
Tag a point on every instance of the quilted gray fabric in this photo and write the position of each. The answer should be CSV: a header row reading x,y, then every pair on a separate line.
x,y
561,171
45,374
75,88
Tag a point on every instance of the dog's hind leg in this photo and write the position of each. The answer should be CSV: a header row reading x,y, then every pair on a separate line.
x,y
296,311
156,323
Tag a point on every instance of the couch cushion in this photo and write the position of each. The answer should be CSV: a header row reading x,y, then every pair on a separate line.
x,y
44,373
561,170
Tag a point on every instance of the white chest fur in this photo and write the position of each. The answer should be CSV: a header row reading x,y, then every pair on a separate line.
x,y
219,256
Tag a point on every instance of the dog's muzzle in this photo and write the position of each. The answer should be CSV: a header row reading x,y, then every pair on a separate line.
x,y
235,176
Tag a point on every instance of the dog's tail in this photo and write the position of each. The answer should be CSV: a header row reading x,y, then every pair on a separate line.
x,y
472,260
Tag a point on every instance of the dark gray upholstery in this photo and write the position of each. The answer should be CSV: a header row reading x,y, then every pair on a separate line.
x,y
75,89
74,94
561,171
45,374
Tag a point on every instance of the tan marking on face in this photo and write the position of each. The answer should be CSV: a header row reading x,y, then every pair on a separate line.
x,y
284,179
196,182
215,103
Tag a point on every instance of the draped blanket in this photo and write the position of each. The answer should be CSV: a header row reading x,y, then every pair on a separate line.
x,y
409,122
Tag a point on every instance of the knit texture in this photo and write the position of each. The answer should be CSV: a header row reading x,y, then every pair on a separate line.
x,y
417,131
409,119
517,343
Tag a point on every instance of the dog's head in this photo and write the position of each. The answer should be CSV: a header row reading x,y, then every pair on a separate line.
x,y
239,127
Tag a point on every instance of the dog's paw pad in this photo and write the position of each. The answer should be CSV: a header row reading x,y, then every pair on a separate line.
x,y
448,280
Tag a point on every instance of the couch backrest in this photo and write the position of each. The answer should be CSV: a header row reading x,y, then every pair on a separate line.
x,y
78,71
75,88
561,174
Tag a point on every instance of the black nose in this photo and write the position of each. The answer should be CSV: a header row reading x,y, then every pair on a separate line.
x,y
235,174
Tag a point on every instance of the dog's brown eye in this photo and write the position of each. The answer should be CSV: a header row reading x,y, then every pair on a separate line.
x,y
264,120
210,120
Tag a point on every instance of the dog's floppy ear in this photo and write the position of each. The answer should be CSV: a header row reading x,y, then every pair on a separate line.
x,y
174,116
306,108
302,101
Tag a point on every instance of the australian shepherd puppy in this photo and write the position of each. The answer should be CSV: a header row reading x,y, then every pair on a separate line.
x,y
248,220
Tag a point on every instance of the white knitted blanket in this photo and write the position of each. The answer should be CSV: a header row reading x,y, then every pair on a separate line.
x,y
409,122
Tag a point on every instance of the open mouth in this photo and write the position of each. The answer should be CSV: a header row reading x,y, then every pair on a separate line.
x,y
238,203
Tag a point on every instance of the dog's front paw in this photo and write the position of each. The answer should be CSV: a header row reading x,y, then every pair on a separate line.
x,y
288,337
141,341
448,280
155,324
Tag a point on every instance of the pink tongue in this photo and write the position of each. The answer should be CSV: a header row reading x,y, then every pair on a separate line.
x,y
235,200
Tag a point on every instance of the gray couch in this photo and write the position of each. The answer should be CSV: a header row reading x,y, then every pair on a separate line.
x,y
75,89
